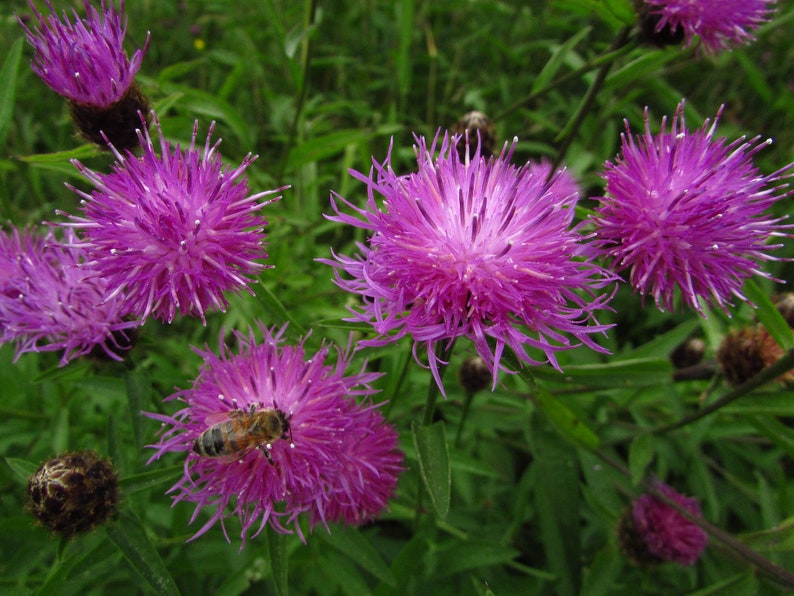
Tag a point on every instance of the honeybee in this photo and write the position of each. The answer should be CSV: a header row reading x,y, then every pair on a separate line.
x,y
241,431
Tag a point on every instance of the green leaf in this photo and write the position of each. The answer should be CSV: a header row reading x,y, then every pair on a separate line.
x,y
567,423
21,467
641,452
277,311
353,544
555,478
769,316
433,455
146,480
637,372
557,59
139,391
279,561
129,535
62,157
777,539
472,555
326,146
777,432
8,83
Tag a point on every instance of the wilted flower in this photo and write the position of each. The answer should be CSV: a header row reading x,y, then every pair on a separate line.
x,y
328,455
73,492
745,352
473,248
682,209
174,231
720,24
85,61
50,299
654,532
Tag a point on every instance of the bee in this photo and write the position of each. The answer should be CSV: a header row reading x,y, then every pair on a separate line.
x,y
241,431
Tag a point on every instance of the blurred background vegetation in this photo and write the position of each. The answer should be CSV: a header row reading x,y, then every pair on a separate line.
x,y
314,89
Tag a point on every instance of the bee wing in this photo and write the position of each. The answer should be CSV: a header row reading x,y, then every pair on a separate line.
x,y
218,417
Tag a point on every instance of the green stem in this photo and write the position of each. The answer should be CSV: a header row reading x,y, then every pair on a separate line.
x,y
572,128
770,373
607,57
464,415
442,354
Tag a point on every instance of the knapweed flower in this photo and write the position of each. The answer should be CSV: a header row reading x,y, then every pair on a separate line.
x,y
51,300
720,24
683,209
652,531
476,248
172,231
84,60
273,434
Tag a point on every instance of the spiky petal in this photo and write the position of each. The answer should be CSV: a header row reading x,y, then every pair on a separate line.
x,y
685,210
340,463
173,231
476,248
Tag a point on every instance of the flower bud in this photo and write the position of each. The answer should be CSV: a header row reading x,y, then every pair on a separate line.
x,y
688,353
474,122
746,352
474,375
73,492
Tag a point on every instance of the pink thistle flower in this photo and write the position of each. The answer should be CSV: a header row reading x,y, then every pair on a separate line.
x,y
174,231
666,534
336,460
50,300
84,60
475,248
720,24
682,209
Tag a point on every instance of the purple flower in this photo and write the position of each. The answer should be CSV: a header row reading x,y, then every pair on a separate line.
x,y
51,300
720,24
330,457
475,248
174,231
682,209
666,534
84,60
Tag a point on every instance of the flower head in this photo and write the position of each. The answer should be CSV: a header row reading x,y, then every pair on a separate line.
x,y
720,24
329,456
174,231
659,533
51,300
475,248
84,60
683,209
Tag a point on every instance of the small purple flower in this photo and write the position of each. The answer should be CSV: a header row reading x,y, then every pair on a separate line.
x,y
51,300
174,231
475,248
338,460
84,60
720,24
682,209
666,534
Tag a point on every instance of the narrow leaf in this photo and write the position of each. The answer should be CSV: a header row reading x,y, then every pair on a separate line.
x,y
146,480
558,58
431,450
353,544
565,420
128,534
769,316
8,83
641,452
139,390
21,467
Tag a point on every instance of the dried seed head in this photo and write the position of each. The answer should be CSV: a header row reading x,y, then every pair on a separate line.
x,y
746,352
785,306
73,492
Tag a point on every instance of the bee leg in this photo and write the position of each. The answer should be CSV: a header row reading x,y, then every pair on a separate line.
x,y
269,457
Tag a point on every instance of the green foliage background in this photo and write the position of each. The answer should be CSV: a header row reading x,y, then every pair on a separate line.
x,y
315,89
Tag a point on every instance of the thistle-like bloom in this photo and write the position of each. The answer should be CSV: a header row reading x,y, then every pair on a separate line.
x,y
51,300
328,456
720,24
475,248
85,60
683,209
174,231
665,533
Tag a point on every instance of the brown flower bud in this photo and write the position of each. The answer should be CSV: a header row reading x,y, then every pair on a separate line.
x,y
474,375
746,352
118,121
474,122
72,493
